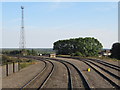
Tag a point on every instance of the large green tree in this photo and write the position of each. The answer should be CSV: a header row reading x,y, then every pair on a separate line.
x,y
78,46
115,51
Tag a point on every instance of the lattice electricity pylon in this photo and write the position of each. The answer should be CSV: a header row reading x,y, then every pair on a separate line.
x,y
22,31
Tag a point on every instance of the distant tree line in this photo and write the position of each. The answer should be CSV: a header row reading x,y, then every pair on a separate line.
x,y
88,46
27,51
115,51
21,52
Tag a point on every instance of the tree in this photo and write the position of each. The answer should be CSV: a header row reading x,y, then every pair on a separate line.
x,y
14,52
34,52
78,46
115,51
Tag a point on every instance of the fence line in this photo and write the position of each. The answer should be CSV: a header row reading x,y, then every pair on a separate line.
x,y
10,69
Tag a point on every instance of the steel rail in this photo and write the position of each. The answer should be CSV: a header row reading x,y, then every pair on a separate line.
x,y
70,86
85,83
105,77
69,75
106,63
103,62
34,76
115,76
48,76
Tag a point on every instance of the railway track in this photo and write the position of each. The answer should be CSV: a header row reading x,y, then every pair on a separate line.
x,y
69,65
68,70
105,70
35,76
115,67
70,86
105,63
41,78
110,77
107,77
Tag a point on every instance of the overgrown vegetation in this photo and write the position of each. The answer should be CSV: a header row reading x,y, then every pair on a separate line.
x,y
23,61
27,63
7,59
9,56
78,47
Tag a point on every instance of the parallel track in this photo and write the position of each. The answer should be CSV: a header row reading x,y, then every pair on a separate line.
x,y
38,75
106,64
34,76
101,74
48,76
70,85
85,83
87,61
112,74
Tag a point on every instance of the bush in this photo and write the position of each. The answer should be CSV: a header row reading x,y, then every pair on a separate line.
x,y
78,54
29,60
115,51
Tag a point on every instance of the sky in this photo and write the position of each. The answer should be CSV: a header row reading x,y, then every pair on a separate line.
x,y
47,22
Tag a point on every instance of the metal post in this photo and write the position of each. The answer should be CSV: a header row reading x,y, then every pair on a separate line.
x,y
7,69
13,67
18,66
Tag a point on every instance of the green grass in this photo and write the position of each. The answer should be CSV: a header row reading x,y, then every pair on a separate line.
x,y
25,64
63,55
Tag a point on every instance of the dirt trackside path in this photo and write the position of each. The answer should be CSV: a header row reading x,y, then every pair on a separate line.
x,y
20,78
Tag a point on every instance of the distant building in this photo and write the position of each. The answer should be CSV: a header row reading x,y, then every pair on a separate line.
x,y
105,52
52,55
39,54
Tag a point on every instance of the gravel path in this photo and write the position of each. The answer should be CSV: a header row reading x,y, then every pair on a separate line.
x,y
20,78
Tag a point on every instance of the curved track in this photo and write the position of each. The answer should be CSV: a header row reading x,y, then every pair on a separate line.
x,y
41,78
106,64
81,76
104,75
35,76
112,78
112,74
74,72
